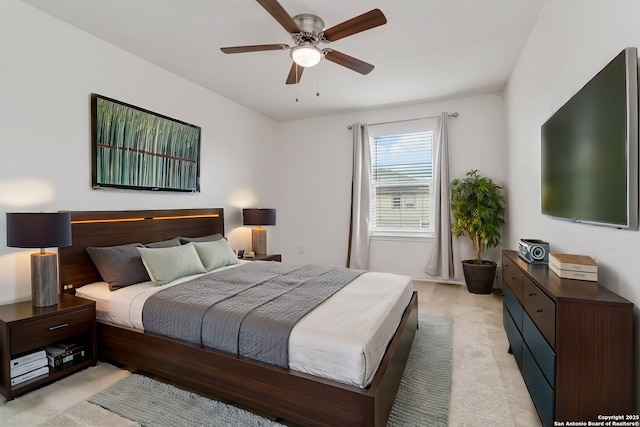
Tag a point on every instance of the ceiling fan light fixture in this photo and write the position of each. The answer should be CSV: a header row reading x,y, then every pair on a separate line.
x,y
306,55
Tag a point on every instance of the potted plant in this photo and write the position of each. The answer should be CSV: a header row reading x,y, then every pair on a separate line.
x,y
478,212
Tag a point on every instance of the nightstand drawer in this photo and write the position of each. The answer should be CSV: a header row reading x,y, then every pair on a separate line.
x,y
38,333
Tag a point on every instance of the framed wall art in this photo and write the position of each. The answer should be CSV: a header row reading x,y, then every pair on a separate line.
x,y
137,149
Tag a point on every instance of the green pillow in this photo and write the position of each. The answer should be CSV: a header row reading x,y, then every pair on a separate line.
x,y
167,264
215,254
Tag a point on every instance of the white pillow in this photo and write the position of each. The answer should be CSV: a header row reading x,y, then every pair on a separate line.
x,y
167,264
215,254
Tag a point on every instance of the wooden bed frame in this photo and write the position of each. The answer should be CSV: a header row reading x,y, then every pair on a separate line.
x,y
282,393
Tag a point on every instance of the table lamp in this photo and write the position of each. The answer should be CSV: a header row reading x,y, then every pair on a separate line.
x,y
259,217
41,230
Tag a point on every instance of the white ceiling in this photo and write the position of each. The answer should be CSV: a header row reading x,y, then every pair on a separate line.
x,y
429,49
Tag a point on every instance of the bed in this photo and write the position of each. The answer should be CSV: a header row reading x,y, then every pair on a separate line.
x,y
286,393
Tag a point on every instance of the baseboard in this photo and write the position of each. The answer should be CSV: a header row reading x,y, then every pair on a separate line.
x,y
438,280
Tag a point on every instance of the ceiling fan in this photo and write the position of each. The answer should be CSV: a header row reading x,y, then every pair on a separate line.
x,y
308,31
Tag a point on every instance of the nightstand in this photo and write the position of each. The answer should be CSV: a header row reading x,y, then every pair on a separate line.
x,y
25,329
267,257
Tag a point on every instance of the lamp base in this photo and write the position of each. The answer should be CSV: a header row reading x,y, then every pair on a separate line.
x,y
44,279
259,241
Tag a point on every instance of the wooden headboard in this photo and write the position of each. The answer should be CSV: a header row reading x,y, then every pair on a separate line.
x,y
110,228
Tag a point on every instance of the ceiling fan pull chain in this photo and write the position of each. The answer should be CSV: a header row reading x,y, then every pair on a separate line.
x,y
297,87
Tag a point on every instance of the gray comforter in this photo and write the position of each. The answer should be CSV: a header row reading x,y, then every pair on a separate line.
x,y
249,310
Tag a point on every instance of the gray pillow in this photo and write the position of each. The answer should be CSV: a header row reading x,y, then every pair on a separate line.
x,y
210,238
119,266
164,243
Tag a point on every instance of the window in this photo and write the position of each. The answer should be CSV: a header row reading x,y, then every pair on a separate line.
x,y
402,174
396,203
410,201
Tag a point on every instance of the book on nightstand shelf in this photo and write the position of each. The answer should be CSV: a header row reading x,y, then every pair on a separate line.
x,y
61,353
27,358
27,367
568,266
27,363
41,371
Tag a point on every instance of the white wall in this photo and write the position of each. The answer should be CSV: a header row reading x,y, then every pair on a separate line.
x,y
315,180
47,71
571,41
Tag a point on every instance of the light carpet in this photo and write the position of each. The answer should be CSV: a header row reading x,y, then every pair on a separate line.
x,y
422,400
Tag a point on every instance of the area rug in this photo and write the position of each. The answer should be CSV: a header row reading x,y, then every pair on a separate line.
x,y
422,400
425,389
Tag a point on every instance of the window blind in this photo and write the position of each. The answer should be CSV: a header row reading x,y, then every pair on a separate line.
x,y
402,174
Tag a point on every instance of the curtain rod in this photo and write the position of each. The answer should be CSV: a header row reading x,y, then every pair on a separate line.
x,y
407,120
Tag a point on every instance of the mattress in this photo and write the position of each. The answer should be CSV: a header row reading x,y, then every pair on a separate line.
x,y
343,339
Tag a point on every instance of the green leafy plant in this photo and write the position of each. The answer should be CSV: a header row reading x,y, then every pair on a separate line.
x,y
478,211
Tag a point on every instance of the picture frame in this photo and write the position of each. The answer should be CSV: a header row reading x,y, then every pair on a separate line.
x,y
134,148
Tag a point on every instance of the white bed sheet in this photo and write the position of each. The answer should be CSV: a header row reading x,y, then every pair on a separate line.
x,y
343,339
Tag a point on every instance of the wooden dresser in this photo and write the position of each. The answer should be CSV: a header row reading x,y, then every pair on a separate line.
x,y
573,341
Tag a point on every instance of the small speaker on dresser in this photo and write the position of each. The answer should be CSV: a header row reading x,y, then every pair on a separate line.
x,y
534,251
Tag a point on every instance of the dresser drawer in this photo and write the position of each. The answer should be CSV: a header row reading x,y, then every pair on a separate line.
x,y
38,333
540,350
541,309
512,304
513,335
513,277
541,393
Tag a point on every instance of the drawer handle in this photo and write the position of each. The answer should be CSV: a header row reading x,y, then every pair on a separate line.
x,y
539,310
533,294
53,328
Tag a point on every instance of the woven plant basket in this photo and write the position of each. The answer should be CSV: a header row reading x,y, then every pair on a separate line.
x,y
479,277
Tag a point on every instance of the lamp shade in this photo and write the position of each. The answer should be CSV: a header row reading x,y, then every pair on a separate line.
x,y
259,217
38,230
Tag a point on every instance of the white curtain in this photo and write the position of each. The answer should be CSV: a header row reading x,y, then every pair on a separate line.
x,y
358,253
441,260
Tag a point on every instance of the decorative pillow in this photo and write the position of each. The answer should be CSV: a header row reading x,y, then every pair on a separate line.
x,y
167,264
210,238
215,254
119,266
164,243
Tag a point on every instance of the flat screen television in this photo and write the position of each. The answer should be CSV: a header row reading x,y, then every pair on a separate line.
x,y
590,150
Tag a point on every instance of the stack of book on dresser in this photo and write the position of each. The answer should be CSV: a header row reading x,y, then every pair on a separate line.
x,y
29,366
61,353
580,267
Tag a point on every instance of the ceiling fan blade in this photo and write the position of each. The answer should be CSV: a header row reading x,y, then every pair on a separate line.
x,y
254,48
295,73
366,21
279,14
348,61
